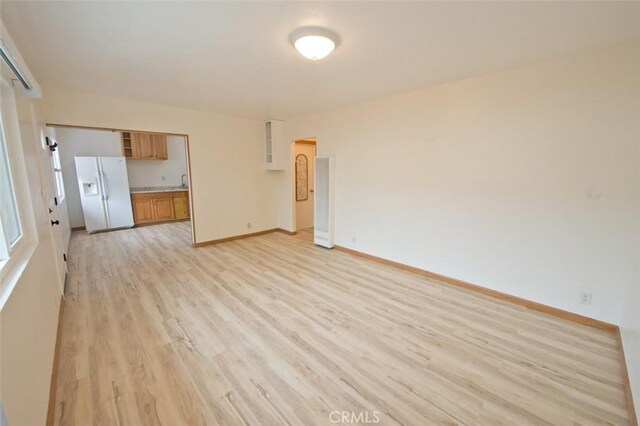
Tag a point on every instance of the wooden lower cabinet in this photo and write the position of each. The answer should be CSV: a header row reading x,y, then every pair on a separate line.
x,y
181,207
142,210
149,207
163,208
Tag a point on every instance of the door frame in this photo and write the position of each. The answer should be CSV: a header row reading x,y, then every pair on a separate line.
x,y
304,141
188,152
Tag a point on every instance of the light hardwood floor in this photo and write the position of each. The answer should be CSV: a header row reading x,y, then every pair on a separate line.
x,y
273,330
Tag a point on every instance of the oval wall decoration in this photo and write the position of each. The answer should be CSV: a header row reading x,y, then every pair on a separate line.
x,y
302,177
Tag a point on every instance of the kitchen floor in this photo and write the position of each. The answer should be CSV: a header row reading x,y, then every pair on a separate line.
x,y
274,330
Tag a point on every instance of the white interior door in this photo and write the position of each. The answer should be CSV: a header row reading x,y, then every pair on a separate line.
x,y
56,202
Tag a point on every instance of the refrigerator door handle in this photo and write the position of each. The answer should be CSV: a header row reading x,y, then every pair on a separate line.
x,y
105,188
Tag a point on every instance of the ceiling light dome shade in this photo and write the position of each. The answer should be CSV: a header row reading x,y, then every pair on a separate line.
x,y
314,42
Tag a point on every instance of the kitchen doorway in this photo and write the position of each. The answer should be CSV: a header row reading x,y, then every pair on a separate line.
x,y
304,154
151,185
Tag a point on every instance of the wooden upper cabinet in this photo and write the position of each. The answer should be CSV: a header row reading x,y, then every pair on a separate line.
x,y
159,146
127,145
144,146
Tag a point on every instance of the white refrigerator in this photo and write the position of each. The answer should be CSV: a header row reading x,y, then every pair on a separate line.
x,y
104,192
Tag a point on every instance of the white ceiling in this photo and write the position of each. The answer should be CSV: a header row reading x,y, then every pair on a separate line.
x,y
234,57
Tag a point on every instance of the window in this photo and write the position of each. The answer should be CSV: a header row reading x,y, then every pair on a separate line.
x,y
18,236
57,172
10,227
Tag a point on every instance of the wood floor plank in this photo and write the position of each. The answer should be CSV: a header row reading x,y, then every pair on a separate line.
x,y
273,330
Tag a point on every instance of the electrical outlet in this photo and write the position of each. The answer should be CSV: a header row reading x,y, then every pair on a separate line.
x,y
585,297
248,225
353,240
164,178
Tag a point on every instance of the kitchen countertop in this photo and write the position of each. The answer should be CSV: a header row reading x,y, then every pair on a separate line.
x,y
143,189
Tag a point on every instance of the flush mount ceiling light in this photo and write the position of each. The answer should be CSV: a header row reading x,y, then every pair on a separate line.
x,y
314,42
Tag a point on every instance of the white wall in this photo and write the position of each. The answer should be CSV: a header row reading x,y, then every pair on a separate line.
x,y
152,172
101,143
230,187
82,142
524,181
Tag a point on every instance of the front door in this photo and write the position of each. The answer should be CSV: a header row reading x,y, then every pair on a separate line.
x,y
57,203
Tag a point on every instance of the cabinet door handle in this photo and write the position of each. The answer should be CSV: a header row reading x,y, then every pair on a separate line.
x,y
55,222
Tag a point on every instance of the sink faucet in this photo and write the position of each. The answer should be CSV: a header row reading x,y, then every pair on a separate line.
x,y
183,180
